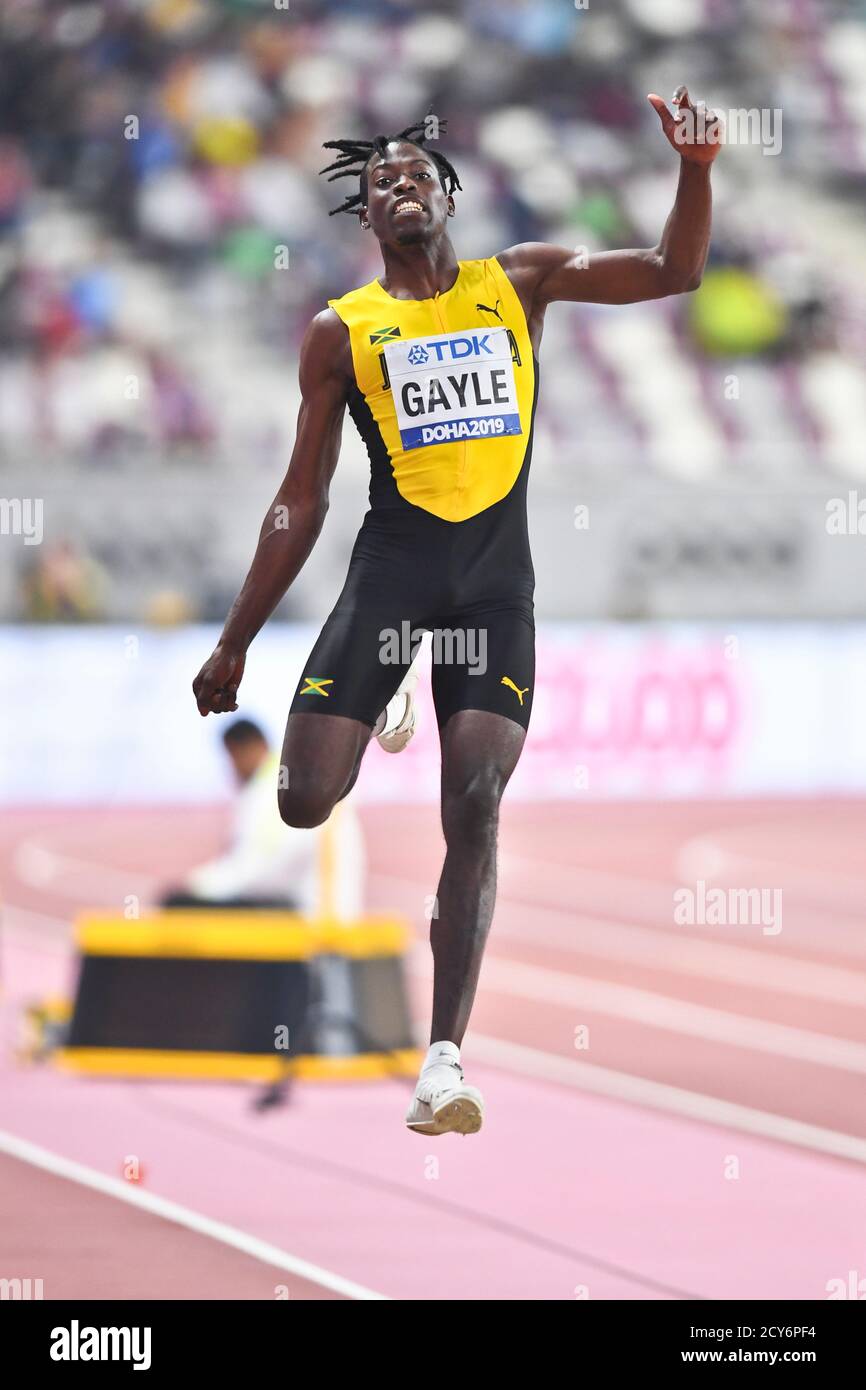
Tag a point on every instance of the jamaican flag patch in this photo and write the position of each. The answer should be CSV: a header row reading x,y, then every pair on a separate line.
x,y
384,335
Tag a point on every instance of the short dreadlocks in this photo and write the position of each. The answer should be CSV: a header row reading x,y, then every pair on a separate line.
x,y
356,154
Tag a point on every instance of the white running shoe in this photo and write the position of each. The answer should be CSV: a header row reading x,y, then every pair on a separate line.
x,y
400,714
443,1103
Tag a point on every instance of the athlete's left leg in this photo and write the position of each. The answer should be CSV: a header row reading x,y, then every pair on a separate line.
x,y
483,710
479,754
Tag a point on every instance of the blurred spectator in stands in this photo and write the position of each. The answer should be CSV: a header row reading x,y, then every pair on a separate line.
x,y
157,154
15,184
62,585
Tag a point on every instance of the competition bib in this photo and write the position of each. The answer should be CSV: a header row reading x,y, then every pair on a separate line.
x,y
450,387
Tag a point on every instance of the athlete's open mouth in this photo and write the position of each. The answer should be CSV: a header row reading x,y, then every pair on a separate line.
x,y
407,205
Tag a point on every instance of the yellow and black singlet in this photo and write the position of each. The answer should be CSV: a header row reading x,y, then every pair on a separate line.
x,y
444,400
445,391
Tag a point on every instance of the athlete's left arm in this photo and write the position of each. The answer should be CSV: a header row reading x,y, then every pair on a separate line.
x,y
542,274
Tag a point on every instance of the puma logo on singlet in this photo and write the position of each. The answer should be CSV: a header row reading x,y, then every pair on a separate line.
x,y
506,680
487,309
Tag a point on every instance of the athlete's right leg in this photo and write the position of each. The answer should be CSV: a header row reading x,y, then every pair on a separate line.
x,y
321,759
351,674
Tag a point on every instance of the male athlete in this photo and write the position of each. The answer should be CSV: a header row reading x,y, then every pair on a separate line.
x,y
437,363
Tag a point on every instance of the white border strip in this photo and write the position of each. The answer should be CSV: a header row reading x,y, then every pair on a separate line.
x,y
758,965
666,1012
62,1167
657,1095
671,1014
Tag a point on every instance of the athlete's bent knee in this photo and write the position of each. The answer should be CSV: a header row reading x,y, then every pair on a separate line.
x,y
303,809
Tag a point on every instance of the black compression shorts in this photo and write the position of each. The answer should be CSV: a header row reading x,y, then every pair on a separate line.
x,y
470,584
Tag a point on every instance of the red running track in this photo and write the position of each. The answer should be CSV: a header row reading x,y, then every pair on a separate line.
x,y
673,1110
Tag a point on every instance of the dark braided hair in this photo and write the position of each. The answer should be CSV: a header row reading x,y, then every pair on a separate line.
x,y
356,154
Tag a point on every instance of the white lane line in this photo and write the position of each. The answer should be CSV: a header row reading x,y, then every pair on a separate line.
x,y
709,857
25,921
625,892
678,950
38,866
665,1012
643,898
62,1167
605,939
683,954
656,1095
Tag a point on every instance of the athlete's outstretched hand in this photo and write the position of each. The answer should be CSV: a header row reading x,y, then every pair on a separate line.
x,y
694,132
216,686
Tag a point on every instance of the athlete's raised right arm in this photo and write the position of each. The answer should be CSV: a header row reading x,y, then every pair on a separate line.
x,y
294,519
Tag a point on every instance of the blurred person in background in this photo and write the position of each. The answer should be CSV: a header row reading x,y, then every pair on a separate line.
x,y
271,865
437,363
62,585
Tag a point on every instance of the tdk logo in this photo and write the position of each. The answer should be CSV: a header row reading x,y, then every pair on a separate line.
x,y
450,349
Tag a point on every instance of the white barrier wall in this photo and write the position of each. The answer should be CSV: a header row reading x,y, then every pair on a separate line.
x,y
105,715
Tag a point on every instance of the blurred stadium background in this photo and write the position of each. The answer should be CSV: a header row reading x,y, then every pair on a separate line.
x,y
164,241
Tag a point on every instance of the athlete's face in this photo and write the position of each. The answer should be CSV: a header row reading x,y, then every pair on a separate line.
x,y
406,203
